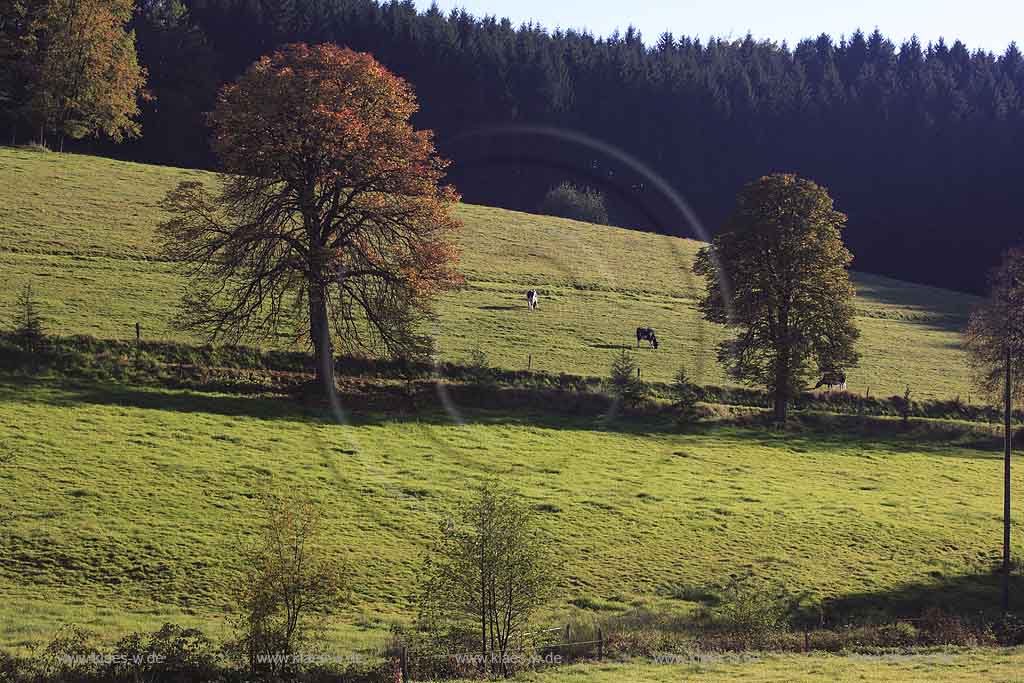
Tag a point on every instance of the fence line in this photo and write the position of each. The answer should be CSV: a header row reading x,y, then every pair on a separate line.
x,y
404,658
511,652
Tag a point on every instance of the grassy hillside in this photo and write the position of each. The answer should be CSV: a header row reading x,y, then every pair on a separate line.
x,y
81,229
129,502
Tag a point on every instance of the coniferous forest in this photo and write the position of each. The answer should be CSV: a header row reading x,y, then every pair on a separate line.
x,y
920,144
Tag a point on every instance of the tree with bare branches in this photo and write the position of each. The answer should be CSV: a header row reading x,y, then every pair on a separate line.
x,y
997,325
288,588
331,224
995,345
490,572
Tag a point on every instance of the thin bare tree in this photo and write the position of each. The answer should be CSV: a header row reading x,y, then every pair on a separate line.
x,y
995,344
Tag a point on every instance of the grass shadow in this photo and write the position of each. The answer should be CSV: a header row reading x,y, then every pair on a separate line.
x,y
367,403
967,595
382,405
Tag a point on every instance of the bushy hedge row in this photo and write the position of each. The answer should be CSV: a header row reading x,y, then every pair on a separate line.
x,y
245,370
172,654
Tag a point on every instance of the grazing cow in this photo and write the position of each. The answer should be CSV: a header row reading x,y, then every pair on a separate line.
x,y
532,299
832,380
646,333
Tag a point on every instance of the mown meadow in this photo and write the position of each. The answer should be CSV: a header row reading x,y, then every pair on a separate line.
x,y
128,503
81,230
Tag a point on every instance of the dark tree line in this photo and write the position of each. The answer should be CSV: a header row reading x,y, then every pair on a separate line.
x,y
920,145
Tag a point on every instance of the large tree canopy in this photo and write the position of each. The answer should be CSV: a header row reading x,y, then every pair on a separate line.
x,y
778,275
330,223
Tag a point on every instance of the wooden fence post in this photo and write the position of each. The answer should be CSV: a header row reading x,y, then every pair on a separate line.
x,y
138,333
405,665
529,363
600,643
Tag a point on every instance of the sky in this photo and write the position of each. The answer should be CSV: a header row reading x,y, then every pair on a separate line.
x,y
988,24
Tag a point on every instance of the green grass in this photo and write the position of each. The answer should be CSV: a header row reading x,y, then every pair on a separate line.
x,y
129,503
132,502
82,230
978,666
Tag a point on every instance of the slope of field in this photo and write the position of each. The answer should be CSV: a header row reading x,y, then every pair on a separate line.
x,y
129,504
81,230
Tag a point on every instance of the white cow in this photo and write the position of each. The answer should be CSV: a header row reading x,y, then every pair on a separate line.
x,y
532,299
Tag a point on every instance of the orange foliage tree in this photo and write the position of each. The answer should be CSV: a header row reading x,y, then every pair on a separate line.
x,y
331,223
85,75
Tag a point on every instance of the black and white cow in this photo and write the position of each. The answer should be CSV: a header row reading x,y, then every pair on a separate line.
x,y
532,299
647,334
832,380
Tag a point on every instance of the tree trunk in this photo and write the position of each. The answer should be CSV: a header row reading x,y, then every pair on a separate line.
x,y
781,404
783,364
320,333
1007,449
781,393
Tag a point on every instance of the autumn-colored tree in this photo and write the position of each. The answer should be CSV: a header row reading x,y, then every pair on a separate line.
x,y
84,76
332,219
778,275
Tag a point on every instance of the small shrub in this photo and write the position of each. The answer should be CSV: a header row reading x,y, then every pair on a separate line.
x,y
489,567
941,628
579,203
751,610
72,656
28,325
1009,630
478,366
684,397
623,382
689,593
904,404
13,668
171,654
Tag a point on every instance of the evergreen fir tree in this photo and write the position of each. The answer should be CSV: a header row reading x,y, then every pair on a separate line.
x,y
28,324
623,381
684,396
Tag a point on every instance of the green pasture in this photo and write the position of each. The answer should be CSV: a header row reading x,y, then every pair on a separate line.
x,y
81,229
130,503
